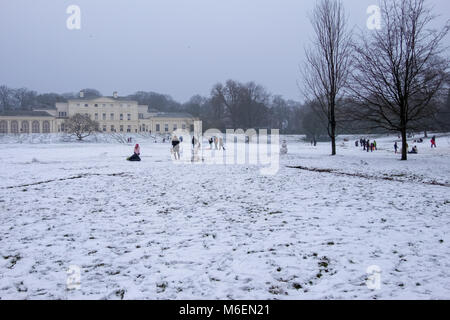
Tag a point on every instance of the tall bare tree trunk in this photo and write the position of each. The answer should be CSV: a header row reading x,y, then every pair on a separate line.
x,y
327,66
404,144
333,130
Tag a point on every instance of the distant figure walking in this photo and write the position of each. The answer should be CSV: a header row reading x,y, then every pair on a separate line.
x,y
433,142
396,147
176,147
136,154
221,147
193,142
368,145
210,142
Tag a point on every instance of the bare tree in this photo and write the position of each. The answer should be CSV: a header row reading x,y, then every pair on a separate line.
x,y
26,99
327,65
245,104
6,98
81,126
399,71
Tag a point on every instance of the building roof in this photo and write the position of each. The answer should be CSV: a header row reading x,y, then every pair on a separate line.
x,y
24,113
173,115
122,99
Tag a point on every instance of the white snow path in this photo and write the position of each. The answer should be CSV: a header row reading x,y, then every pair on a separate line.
x,y
158,231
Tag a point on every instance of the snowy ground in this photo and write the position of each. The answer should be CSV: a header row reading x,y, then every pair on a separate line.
x,y
155,230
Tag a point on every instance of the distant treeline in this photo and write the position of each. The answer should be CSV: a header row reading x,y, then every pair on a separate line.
x,y
230,105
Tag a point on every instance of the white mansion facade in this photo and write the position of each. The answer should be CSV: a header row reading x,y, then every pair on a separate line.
x,y
114,114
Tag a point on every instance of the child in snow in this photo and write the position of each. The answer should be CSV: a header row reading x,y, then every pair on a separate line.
x,y
137,153
414,150
433,142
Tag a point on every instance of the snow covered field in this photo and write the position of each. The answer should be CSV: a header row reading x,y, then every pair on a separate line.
x,y
155,230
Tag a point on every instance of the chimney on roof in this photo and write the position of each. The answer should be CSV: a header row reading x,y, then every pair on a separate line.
x,y
81,94
115,95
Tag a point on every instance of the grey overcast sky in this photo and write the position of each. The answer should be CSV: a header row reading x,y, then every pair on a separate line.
x,y
177,47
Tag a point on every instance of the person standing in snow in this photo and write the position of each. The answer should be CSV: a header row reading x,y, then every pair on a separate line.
x,y
368,145
375,144
395,147
210,141
176,147
433,142
221,147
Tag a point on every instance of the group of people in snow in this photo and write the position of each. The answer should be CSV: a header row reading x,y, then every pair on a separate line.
x,y
414,149
367,145
176,144
218,143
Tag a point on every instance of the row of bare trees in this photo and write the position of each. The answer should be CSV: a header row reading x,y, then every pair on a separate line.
x,y
393,76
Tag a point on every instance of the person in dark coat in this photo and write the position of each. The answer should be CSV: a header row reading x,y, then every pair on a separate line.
x,y
136,154
176,147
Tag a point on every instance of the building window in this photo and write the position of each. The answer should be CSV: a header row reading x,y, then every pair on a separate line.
x,y
121,128
158,128
96,116
86,105
129,117
141,116
166,127
129,129
104,105
3,126
25,127
14,127
104,128
35,127
175,127
104,116
46,127
96,105
112,116
183,126
121,116
113,129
